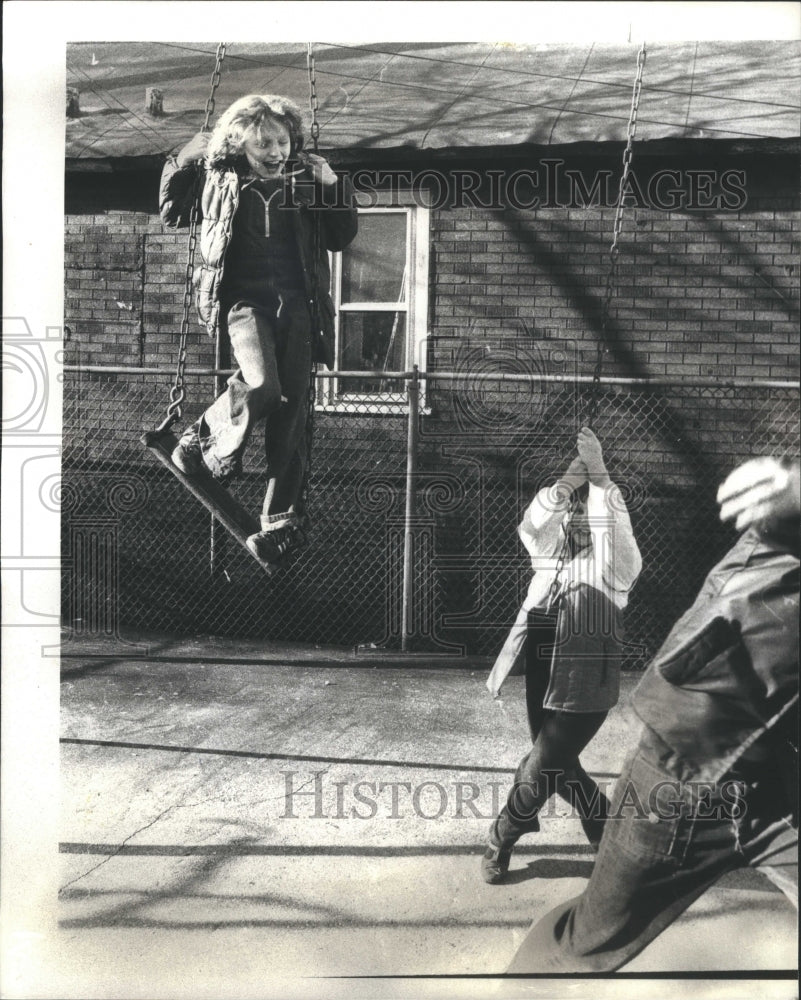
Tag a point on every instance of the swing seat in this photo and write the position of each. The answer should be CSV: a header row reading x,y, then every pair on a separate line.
x,y
214,497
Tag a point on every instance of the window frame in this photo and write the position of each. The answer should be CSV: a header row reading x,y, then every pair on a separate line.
x,y
333,396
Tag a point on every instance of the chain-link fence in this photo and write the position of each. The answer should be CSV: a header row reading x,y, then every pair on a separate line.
x,y
417,486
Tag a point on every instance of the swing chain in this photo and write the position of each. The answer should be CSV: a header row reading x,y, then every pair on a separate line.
x,y
628,152
311,401
313,103
614,250
178,390
215,82
553,592
614,253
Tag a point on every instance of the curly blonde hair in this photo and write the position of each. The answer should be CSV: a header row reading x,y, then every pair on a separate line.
x,y
226,139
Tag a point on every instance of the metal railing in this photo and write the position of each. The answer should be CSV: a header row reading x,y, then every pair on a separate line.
x,y
414,509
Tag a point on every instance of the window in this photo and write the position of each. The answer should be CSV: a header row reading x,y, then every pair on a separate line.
x,y
380,292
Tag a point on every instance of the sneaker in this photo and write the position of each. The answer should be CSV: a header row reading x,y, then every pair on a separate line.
x,y
188,461
495,863
272,546
187,455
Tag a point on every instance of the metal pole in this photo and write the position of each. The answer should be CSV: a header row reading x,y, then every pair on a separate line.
x,y
413,391
443,376
219,382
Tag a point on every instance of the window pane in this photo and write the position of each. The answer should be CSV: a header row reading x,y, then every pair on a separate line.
x,y
373,341
373,265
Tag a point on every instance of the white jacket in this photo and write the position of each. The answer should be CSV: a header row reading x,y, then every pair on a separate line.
x,y
611,564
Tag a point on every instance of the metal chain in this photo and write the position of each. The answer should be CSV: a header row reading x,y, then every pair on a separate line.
x,y
614,250
178,390
553,592
315,305
215,82
614,253
315,125
312,392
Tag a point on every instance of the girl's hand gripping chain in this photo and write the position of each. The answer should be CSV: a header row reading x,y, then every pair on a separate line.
x,y
318,168
572,479
194,150
589,449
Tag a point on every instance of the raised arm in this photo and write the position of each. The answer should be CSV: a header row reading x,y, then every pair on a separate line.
x,y
340,221
334,201
609,522
613,537
540,530
177,188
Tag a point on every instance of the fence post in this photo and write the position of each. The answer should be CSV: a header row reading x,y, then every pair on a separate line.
x,y
413,393
219,386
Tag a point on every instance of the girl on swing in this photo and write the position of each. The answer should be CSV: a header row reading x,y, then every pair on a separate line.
x,y
270,213
569,695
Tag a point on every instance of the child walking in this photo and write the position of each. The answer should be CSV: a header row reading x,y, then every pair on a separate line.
x,y
270,213
567,699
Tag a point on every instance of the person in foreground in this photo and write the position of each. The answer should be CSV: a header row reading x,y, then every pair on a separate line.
x,y
712,784
582,519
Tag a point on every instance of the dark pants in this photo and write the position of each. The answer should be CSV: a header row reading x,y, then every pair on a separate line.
x,y
664,844
552,766
272,347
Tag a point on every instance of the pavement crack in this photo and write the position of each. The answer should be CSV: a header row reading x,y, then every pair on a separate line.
x,y
115,853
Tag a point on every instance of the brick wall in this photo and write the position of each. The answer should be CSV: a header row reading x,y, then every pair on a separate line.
x,y
124,275
700,293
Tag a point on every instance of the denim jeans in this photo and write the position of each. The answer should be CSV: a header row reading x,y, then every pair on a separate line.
x,y
665,842
272,347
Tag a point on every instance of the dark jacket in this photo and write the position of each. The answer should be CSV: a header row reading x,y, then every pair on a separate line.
x,y
727,675
331,209
585,667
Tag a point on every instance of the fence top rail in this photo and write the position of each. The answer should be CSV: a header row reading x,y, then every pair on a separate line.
x,y
445,376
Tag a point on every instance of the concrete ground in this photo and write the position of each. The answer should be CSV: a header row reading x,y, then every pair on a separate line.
x,y
242,819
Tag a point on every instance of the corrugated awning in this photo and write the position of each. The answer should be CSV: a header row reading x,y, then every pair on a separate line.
x,y
436,96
